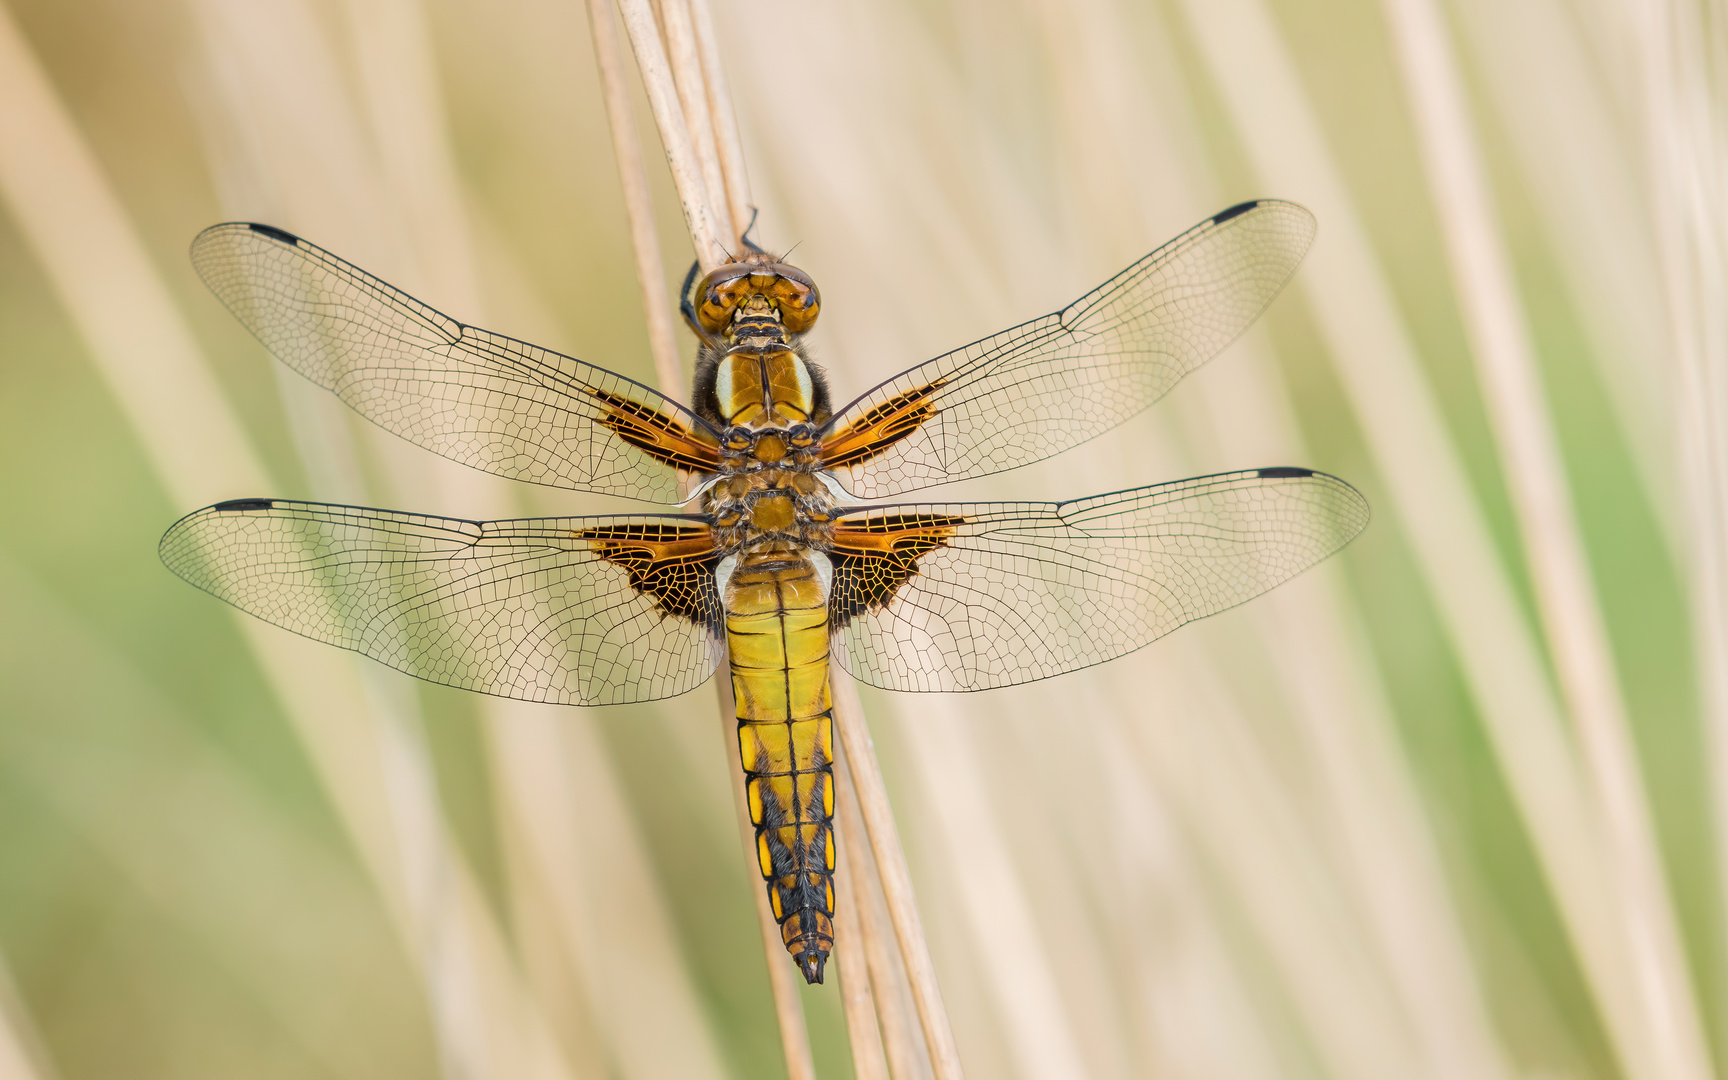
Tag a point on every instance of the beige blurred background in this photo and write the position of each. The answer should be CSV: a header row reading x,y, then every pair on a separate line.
x,y
1444,807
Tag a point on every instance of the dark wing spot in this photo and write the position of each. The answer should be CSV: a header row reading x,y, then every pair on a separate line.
x,y
1284,472
1225,215
242,504
275,234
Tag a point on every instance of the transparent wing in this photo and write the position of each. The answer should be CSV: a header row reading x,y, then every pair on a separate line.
x,y
1055,382
974,596
576,611
473,396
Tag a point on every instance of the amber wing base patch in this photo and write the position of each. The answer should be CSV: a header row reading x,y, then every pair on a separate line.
x,y
653,432
874,556
880,427
673,564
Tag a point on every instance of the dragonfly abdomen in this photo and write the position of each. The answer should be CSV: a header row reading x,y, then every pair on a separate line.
x,y
777,631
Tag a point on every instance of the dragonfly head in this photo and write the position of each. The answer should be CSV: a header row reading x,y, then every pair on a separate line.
x,y
761,286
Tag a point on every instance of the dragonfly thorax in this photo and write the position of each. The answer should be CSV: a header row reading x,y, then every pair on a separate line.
x,y
752,506
758,386
770,399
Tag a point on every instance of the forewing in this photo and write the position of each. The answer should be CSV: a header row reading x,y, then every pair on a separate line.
x,y
974,596
575,611
476,397
1055,382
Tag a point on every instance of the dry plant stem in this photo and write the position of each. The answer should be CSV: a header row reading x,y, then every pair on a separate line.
x,y
794,1038
638,200
860,758
856,996
23,1056
1429,491
1670,80
1037,1028
885,982
674,133
142,348
884,838
1541,75
1584,661
726,137
1682,134
680,41
1315,643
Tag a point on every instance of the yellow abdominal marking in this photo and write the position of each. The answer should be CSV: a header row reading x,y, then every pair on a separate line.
x,y
777,629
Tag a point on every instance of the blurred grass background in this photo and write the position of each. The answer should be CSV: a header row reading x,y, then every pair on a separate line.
x,y
1285,843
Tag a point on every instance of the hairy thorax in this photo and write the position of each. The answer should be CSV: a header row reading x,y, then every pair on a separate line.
x,y
759,388
780,502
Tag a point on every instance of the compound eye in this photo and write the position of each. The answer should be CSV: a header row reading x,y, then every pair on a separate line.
x,y
796,297
721,292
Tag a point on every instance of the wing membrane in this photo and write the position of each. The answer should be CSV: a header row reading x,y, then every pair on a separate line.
x,y
473,396
1055,382
975,596
577,611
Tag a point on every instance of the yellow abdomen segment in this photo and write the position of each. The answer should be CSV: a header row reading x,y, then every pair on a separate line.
x,y
777,630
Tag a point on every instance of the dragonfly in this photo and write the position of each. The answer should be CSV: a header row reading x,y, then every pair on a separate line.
x,y
779,546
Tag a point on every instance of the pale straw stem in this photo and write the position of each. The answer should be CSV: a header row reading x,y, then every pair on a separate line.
x,y
680,42
142,348
638,200
1563,124
856,992
789,1011
1015,964
794,1037
728,142
887,981
585,851
681,157
1681,134
1319,650
562,808
74,223
407,122
402,99
420,186
15,1064
884,840
1387,855
22,1053
197,842
1224,784
1584,661
859,755
1429,492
